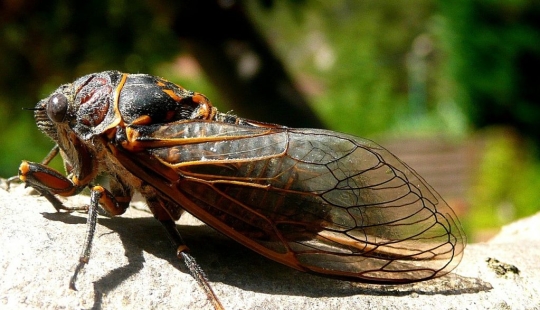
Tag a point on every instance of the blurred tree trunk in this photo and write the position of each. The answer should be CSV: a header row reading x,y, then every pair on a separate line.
x,y
240,63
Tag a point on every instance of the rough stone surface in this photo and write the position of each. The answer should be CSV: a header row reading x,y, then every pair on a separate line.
x,y
133,266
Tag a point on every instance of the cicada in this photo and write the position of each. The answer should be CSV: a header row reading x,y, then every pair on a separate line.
x,y
315,200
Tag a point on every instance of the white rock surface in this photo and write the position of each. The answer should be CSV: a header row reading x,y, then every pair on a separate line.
x,y
133,266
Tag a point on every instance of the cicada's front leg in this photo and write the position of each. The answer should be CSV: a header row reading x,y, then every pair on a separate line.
x,y
50,182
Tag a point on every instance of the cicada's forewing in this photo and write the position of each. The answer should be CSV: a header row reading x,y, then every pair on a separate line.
x,y
314,200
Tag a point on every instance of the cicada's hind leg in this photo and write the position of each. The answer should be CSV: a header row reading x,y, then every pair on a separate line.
x,y
159,207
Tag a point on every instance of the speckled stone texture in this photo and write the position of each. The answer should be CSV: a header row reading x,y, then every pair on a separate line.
x,y
133,266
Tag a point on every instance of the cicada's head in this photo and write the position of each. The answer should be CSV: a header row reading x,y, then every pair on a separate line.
x,y
84,107
74,113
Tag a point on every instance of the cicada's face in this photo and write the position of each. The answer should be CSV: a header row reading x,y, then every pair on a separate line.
x,y
76,112
51,111
84,106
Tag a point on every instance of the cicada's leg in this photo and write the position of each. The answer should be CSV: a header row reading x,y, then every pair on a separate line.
x,y
113,205
49,182
50,156
159,207
13,179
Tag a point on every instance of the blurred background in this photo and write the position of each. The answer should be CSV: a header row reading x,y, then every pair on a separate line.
x,y
451,87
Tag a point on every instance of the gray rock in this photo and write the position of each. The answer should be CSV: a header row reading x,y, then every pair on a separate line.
x,y
133,266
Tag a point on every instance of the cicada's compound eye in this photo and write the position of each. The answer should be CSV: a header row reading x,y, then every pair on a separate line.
x,y
57,107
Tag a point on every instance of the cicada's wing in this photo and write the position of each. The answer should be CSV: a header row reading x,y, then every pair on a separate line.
x,y
314,200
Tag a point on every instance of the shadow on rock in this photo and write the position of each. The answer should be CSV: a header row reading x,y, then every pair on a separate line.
x,y
228,262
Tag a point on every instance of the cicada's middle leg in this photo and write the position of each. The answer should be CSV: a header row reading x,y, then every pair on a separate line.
x,y
113,205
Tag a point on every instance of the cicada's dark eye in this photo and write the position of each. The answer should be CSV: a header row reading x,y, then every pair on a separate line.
x,y
57,107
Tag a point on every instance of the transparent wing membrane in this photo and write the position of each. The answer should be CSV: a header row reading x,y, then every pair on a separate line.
x,y
315,200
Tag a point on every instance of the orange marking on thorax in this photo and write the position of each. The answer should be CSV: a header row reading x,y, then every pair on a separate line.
x,y
173,95
118,120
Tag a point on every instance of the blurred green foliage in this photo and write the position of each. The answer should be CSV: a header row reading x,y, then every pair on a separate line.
x,y
494,54
368,67
350,57
506,184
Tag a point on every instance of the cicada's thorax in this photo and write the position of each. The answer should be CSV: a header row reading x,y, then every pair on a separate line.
x,y
103,101
82,117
